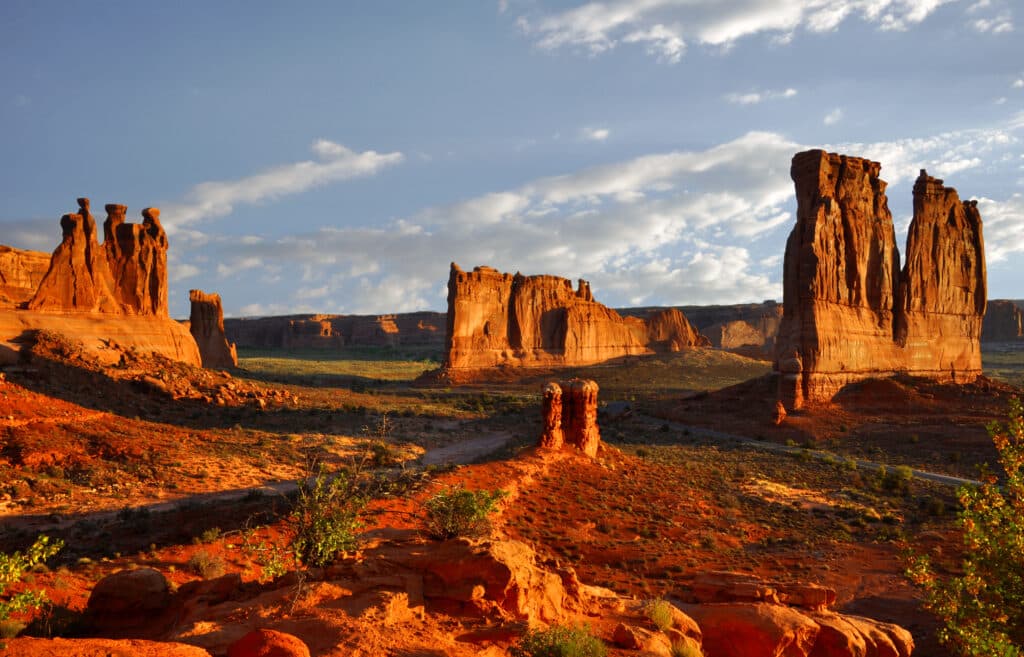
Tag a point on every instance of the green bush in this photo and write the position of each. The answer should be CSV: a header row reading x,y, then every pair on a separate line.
x,y
14,566
982,606
685,649
456,511
559,641
659,612
326,516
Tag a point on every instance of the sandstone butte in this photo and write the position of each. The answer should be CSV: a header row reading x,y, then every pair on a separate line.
x,y
849,311
537,321
114,293
206,323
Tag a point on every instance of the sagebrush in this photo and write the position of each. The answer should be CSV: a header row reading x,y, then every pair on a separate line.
x,y
559,641
456,511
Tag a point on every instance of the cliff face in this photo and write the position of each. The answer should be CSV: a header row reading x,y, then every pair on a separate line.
x,y
21,272
337,331
849,312
1004,321
206,323
501,319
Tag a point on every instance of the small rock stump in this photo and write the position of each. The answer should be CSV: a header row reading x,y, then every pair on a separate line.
x,y
570,416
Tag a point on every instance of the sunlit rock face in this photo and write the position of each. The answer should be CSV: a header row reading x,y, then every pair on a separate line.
x,y
536,321
849,311
206,323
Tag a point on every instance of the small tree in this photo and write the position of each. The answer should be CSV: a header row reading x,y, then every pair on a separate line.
x,y
983,606
326,516
14,566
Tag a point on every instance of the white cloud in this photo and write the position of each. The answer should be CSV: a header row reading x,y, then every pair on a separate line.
x,y
1018,83
1003,226
181,272
1000,24
756,97
833,117
219,198
596,134
663,27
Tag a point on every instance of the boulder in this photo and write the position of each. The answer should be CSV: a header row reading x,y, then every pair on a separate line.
x,y
129,603
268,643
849,312
632,637
206,324
754,630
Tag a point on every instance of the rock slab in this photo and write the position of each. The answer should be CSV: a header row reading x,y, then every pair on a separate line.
x,y
206,324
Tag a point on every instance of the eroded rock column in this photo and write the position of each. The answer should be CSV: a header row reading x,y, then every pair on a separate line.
x,y
553,437
579,415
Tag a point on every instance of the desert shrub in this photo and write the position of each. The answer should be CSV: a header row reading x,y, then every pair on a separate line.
x,y
982,604
559,641
14,566
206,565
456,511
325,517
659,612
685,649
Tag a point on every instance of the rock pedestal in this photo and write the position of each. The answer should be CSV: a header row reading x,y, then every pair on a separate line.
x,y
570,416
553,437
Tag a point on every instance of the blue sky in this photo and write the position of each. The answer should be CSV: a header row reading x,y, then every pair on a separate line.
x,y
336,156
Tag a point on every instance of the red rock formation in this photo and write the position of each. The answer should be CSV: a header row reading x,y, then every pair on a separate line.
x,y
79,276
734,335
552,437
1004,321
942,289
537,321
570,416
336,331
21,272
206,323
579,415
268,643
849,313
669,330
137,255
377,331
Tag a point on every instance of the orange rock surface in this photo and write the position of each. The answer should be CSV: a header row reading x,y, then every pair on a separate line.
x,y
20,274
206,323
503,319
570,416
849,312
114,293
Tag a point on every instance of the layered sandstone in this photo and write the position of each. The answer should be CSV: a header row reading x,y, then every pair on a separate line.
x,y
206,323
21,272
79,275
1004,321
114,293
137,256
570,416
496,318
750,327
849,312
